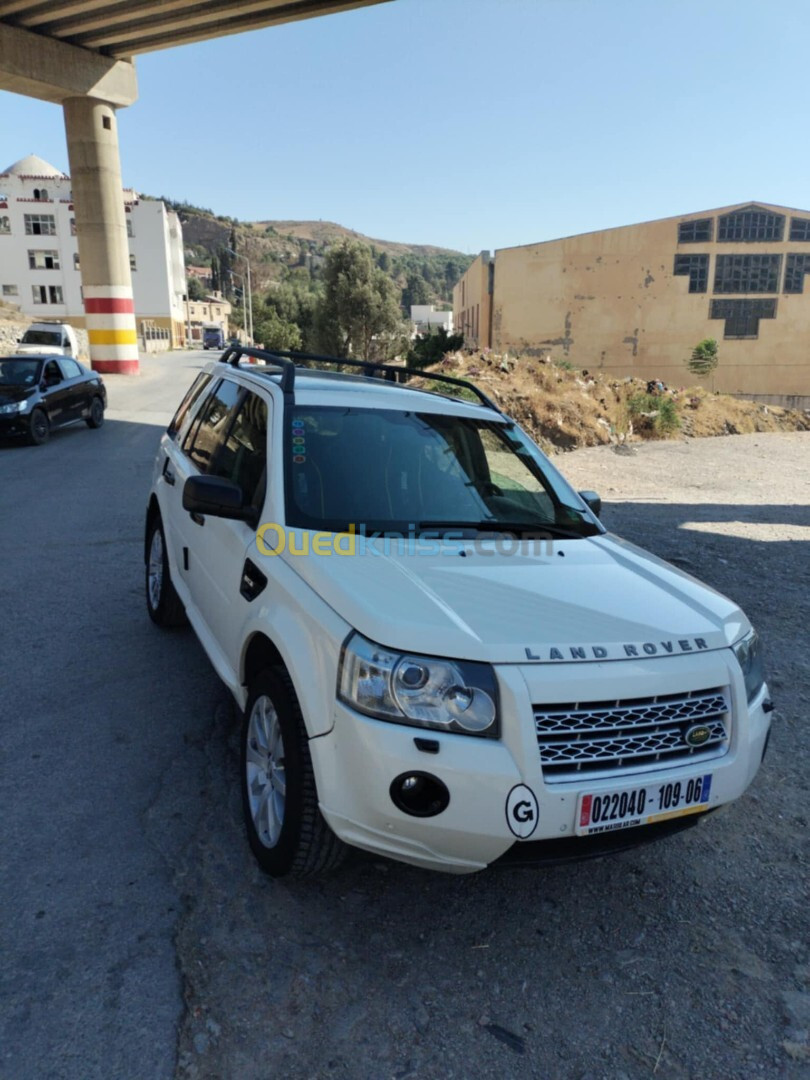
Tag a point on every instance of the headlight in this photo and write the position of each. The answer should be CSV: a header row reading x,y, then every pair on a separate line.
x,y
748,653
449,695
15,407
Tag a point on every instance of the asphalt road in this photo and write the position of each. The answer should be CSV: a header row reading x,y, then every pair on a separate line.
x,y
139,940
98,713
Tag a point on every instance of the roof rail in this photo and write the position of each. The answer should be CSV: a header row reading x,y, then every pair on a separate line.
x,y
287,361
286,367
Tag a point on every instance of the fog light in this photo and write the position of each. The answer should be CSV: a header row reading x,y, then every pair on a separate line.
x,y
419,794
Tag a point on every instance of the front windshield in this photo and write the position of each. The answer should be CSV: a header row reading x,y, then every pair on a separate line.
x,y
19,372
393,472
42,337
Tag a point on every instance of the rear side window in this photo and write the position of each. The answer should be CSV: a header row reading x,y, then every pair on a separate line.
x,y
207,433
242,456
193,394
71,369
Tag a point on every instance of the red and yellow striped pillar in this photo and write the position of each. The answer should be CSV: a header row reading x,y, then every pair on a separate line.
x,y
101,231
110,319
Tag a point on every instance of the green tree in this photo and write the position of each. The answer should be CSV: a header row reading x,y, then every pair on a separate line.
x,y
415,291
704,358
274,332
195,289
359,316
226,279
296,301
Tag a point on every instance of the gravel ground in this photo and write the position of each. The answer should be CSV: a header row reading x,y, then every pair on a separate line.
x,y
689,958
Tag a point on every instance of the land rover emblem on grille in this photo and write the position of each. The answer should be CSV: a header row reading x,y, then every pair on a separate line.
x,y
697,735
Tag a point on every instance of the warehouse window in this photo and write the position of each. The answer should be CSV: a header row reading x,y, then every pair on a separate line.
x,y
800,229
697,269
747,273
750,224
742,316
10,290
695,232
40,225
796,266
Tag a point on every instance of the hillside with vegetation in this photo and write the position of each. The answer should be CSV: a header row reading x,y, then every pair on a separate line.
x,y
292,254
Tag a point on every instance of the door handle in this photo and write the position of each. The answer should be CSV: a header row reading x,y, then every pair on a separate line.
x,y
168,475
198,519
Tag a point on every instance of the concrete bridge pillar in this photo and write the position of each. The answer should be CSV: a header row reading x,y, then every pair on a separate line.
x,y
98,199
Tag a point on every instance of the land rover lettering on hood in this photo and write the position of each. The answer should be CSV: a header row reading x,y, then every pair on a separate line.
x,y
440,654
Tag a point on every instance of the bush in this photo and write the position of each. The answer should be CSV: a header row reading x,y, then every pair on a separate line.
x,y
429,349
704,358
654,413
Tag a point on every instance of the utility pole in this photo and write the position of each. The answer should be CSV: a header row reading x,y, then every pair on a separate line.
x,y
236,274
249,299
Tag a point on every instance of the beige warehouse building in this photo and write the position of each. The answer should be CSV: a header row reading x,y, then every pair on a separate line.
x,y
636,300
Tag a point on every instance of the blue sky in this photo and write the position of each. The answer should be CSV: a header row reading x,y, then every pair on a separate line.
x,y
472,123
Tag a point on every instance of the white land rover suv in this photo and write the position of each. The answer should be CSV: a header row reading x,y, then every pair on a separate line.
x,y
440,654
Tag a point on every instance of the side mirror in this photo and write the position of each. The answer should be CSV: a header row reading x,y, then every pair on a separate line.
x,y
592,501
217,497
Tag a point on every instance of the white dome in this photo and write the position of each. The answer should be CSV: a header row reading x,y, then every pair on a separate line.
x,y
32,166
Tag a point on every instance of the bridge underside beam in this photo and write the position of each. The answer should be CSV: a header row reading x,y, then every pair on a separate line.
x,y
125,27
51,70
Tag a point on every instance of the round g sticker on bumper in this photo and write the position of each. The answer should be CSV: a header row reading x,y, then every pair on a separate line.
x,y
522,811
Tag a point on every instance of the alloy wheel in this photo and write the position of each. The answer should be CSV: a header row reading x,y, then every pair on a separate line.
x,y
266,773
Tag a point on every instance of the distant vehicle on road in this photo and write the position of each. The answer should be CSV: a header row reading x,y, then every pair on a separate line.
x,y
213,337
40,393
47,337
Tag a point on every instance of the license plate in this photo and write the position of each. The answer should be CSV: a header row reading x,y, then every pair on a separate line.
x,y
608,810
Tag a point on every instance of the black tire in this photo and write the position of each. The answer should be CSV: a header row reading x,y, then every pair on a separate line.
x,y
162,602
305,846
39,427
96,417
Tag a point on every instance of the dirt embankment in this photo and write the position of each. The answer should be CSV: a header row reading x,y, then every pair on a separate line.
x,y
564,408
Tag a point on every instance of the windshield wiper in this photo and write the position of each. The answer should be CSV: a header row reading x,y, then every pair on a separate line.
x,y
541,529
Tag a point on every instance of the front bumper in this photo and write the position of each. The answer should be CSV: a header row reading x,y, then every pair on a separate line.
x,y
14,424
356,762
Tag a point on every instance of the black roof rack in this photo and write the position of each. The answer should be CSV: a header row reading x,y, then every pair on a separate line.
x,y
286,363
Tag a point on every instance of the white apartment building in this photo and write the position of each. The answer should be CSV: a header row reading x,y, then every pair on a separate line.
x,y
39,255
425,318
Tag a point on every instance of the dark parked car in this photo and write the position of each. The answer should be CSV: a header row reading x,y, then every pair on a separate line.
x,y
38,393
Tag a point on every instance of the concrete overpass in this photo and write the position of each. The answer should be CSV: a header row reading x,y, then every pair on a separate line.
x,y
78,54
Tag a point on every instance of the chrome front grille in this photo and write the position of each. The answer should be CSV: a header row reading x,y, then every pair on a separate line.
x,y
603,738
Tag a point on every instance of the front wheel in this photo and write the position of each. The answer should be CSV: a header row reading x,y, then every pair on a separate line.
x,y
96,417
286,831
39,427
162,602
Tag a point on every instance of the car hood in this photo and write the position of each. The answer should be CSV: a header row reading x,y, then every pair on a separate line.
x,y
562,601
10,394
39,350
